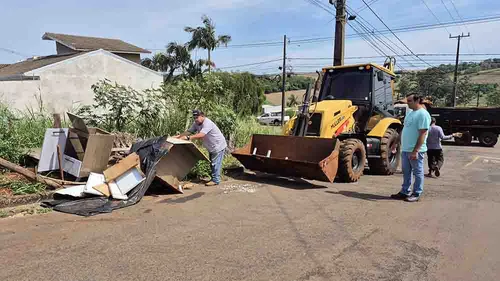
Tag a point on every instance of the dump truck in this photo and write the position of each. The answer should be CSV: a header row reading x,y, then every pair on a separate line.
x,y
349,124
474,123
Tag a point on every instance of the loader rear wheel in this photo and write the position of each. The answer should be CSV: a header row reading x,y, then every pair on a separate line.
x,y
388,161
352,158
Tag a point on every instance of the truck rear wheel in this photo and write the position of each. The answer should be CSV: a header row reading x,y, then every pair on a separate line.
x,y
465,139
388,162
352,158
488,139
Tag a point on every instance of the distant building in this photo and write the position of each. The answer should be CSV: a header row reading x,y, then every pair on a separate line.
x,y
63,81
70,44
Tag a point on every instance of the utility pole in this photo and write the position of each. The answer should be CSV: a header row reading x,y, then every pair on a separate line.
x,y
283,83
455,77
340,20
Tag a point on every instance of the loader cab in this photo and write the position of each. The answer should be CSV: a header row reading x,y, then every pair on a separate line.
x,y
367,86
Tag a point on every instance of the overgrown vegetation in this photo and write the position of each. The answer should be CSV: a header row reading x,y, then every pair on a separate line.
x,y
294,82
20,186
20,131
229,99
437,83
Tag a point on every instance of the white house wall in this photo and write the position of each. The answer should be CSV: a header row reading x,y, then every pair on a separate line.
x,y
67,84
20,94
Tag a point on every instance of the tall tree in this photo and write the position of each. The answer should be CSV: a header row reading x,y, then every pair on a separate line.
x,y
176,57
179,58
204,37
406,85
465,91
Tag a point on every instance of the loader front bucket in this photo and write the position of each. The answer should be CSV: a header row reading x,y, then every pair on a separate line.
x,y
290,156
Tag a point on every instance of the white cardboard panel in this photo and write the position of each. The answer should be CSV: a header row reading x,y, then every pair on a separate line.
x,y
93,180
75,191
129,180
48,156
115,191
72,165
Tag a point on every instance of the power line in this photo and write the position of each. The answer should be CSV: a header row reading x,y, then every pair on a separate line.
x,y
249,64
453,18
370,42
392,31
387,45
402,29
462,20
14,52
430,10
362,8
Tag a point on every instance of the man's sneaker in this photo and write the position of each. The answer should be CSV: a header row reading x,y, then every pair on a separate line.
x,y
436,172
399,196
211,183
413,198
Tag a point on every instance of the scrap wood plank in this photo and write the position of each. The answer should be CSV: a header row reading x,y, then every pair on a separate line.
x,y
28,174
103,188
121,167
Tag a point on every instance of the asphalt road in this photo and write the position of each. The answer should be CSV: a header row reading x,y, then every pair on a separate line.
x,y
261,228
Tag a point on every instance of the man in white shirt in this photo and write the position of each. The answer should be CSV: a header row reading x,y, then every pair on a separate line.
x,y
213,140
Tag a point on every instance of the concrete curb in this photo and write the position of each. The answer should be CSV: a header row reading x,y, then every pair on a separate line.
x,y
13,201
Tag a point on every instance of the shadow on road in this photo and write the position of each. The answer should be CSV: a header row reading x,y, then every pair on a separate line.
x,y
450,143
358,195
183,199
291,183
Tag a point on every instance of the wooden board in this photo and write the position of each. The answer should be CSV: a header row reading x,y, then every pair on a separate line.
x,y
103,188
121,167
97,154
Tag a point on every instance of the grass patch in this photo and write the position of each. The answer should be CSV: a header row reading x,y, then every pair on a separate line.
x,y
21,187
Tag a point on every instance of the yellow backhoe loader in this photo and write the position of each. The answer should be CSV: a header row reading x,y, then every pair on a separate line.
x,y
350,122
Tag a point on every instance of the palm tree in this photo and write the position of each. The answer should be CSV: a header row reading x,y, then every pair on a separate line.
x,y
179,58
159,62
204,37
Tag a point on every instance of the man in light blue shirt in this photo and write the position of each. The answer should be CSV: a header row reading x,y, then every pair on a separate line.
x,y
414,147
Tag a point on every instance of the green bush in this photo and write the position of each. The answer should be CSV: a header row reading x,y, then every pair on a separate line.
x,y
20,131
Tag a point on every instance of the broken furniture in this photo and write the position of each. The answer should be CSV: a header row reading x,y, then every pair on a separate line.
x,y
182,156
49,159
87,150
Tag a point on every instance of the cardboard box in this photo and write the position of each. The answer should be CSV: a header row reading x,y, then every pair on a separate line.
x,y
182,156
92,146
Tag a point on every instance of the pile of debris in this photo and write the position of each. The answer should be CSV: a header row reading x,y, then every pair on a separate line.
x,y
107,172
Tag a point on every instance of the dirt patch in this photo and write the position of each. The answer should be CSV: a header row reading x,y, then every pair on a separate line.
x,y
11,201
6,192
240,187
26,210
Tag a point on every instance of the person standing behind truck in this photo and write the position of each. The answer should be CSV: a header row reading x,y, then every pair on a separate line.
x,y
413,145
213,140
435,157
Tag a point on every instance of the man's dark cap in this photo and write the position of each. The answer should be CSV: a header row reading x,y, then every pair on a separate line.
x,y
197,113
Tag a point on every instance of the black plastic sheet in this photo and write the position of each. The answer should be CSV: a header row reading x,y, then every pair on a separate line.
x,y
150,153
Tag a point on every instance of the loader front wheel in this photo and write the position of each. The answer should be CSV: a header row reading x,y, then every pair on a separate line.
x,y
352,158
388,161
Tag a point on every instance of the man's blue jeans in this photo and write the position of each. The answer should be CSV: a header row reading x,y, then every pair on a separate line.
x,y
216,164
415,167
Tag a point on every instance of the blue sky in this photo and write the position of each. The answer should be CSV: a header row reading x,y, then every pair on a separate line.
x,y
152,24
